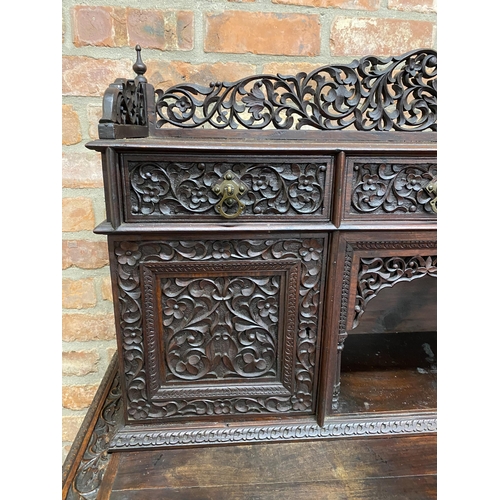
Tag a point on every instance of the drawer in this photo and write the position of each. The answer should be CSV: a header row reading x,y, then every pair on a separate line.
x,y
201,188
214,327
389,189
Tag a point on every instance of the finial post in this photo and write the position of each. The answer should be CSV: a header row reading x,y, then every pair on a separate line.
x,y
139,67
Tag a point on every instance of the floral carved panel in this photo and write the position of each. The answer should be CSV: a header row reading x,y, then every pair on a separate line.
x,y
218,327
391,187
180,189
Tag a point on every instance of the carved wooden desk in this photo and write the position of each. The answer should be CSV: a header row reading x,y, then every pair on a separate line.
x,y
243,252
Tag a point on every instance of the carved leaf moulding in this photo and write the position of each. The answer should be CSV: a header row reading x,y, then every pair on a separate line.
x,y
396,93
391,187
266,433
138,345
158,188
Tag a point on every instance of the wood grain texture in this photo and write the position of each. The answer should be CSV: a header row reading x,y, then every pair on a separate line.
x,y
409,488
360,468
241,260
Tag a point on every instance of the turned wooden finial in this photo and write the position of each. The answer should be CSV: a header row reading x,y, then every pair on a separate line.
x,y
139,67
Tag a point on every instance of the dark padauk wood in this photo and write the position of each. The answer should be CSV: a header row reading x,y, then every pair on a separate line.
x,y
360,467
252,227
88,458
367,262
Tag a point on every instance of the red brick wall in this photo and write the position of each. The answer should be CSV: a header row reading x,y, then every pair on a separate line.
x,y
191,40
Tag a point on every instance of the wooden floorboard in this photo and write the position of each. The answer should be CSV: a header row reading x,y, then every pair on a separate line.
x,y
398,488
370,468
402,467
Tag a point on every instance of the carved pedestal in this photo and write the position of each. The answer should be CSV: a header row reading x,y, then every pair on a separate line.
x,y
241,260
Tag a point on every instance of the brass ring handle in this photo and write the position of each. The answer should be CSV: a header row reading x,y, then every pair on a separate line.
x,y
432,189
230,187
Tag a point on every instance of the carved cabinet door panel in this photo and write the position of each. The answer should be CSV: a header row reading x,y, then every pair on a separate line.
x,y
368,262
218,328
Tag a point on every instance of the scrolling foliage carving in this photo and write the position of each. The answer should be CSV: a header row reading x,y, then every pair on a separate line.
x,y
124,103
380,272
397,93
250,356
392,187
200,316
88,478
182,188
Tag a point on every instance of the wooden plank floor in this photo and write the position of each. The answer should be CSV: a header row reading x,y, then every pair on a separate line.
x,y
367,468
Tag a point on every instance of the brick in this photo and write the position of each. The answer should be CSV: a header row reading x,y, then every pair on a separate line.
x,y
119,15
147,28
70,126
413,5
285,68
70,426
81,170
263,33
184,31
106,292
93,26
78,214
378,36
84,254
78,294
83,327
110,351
85,76
94,114
163,30
163,74
339,4
65,451
78,397
79,363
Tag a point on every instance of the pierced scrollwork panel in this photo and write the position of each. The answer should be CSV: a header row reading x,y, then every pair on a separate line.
x,y
377,273
250,359
124,103
397,93
181,188
392,187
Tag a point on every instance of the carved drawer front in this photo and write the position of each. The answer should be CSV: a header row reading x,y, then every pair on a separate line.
x,y
218,328
389,189
160,187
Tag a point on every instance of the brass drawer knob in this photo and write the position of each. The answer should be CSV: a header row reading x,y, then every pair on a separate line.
x,y
230,187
